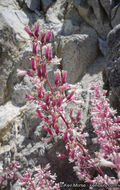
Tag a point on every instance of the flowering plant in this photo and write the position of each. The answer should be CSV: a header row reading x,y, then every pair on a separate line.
x,y
51,105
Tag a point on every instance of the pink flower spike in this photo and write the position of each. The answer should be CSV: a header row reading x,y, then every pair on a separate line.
x,y
27,29
35,48
37,30
42,34
49,34
57,77
61,155
21,72
64,76
30,97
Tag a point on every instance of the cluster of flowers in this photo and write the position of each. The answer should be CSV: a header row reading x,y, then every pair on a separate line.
x,y
51,109
40,179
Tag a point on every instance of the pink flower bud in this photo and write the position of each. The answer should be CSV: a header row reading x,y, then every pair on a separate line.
x,y
37,30
35,48
39,114
49,34
43,68
39,72
44,107
29,73
30,97
65,137
33,64
59,102
53,102
71,96
48,53
47,99
78,117
64,76
42,34
40,92
57,77
27,29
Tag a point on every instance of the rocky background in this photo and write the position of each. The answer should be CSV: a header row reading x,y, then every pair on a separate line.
x,y
86,35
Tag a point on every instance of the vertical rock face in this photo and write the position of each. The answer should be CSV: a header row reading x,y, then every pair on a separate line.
x,y
115,15
112,71
77,52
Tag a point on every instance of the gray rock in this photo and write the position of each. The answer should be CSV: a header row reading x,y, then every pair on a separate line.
x,y
12,40
94,14
8,113
112,71
77,52
33,4
19,94
115,15
106,4
46,4
55,16
103,46
30,121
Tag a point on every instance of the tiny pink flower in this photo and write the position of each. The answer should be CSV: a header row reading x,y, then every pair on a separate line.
x,y
37,30
39,73
27,29
40,92
78,117
42,34
47,99
43,68
64,76
71,96
35,48
29,73
33,64
21,72
49,34
30,97
48,53
39,114
57,77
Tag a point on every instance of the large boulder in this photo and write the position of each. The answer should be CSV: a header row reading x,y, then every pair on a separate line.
x,y
112,72
94,13
77,52
12,42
